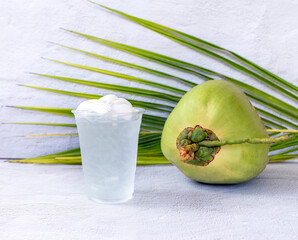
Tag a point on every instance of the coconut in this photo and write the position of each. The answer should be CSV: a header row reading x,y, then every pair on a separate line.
x,y
196,135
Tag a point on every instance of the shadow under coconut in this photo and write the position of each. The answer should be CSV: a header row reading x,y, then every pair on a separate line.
x,y
276,179
174,191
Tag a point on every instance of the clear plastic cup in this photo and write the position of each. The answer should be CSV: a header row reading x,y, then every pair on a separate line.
x,y
109,152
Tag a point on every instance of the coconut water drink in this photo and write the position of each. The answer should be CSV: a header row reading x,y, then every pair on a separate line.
x,y
108,133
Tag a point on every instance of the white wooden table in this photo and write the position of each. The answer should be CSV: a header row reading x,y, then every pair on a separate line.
x,y
48,202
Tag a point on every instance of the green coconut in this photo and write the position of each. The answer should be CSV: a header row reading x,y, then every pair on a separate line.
x,y
197,135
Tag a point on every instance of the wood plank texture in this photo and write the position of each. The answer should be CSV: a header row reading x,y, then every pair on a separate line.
x,y
48,202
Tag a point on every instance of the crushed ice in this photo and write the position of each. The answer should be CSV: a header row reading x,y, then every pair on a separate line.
x,y
107,106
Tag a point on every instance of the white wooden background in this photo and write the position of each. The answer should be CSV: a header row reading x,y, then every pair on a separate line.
x,y
265,31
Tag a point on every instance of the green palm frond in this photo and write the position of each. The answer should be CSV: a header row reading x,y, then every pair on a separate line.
x,y
252,92
135,103
45,124
166,97
124,76
135,66
119,88
200,45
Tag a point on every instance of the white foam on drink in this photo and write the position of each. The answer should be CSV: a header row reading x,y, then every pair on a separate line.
x,y
107,106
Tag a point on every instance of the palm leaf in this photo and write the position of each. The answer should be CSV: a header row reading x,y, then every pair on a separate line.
x,y
148,121
135,66
46,124
51,135
123,76
135,103
282,157
158,123
149,140
118,88
289,150
132,91
189,40
254,93
166,108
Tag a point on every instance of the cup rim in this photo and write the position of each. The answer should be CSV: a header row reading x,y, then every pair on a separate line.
x,y
138,111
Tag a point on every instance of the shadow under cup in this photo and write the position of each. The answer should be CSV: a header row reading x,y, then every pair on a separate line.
x,y
109,145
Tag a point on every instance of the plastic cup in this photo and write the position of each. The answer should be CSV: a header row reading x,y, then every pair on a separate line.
x,y
109,152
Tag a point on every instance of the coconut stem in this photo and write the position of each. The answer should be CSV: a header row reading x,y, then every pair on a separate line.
x,y
187,152
239,141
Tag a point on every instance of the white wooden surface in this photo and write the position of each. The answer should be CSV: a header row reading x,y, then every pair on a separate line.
x,y
40,202
265,32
